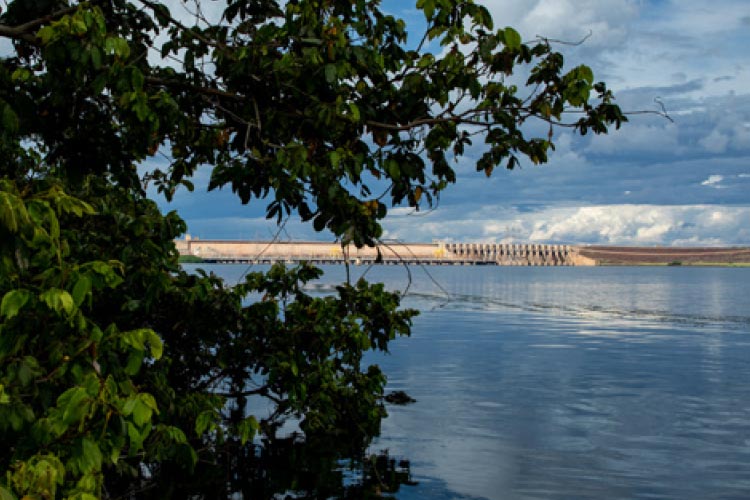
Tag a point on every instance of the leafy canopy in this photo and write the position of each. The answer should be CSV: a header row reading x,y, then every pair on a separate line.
x,y
120,371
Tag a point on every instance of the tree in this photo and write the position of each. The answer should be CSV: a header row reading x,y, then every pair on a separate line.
x,y
118,370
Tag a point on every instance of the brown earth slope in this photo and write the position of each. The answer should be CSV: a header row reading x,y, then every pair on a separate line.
x,y
631,256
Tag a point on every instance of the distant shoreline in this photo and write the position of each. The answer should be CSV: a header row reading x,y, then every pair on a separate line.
x,y
668,256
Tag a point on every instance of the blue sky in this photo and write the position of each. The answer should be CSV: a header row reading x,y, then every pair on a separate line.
x,y
653,182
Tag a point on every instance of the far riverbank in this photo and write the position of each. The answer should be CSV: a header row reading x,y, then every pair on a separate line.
x,y
665,256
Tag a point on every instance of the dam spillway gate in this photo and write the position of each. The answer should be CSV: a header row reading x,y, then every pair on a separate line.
x,y
504,254
514,254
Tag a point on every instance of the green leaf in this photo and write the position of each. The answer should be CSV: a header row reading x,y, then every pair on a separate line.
x,y
354,111
247,429
70,205
129,406
96,57
148,400
75,403
137,79
6,495
21,74
155,343
134,362
428,7
92,456
138,339
141,407
92,384
161,12
106,271
135,338
585,73
58,300
425,61
78,26
334,158
13,213
13,301
331,73
512,38
121,48
25,373
81,290
9,119
46,34
114,455
205,421
41,214
137,436
4,397
483,17
176,434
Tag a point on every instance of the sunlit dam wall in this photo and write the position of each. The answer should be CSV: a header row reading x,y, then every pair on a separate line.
x,y
511,254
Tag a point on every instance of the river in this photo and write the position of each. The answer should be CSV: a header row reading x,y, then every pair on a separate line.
x,y
569,383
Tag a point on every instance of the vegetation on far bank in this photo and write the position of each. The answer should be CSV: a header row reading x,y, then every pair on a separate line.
x,y
671,264
189,259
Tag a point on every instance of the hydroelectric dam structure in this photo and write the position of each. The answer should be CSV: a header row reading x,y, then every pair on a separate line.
x,y
394,253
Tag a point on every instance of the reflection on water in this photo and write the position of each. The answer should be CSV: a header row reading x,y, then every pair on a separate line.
x,y
562,383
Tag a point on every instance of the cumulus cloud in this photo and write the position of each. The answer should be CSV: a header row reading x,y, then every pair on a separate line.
x,y
567,19
602,224
606,224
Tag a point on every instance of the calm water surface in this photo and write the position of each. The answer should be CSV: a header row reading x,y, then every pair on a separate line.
x,y
570,383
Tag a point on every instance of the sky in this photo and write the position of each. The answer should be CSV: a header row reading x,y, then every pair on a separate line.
x,y
654,182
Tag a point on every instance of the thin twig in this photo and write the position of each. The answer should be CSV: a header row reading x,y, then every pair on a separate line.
x,y
404,263
565,42
265,249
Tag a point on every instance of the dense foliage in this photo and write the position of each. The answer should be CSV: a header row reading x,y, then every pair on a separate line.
x,y
121,375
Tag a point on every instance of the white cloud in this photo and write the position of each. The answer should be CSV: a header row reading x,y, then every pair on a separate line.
x,y
635,43
713,181
569,20
654,232
601,224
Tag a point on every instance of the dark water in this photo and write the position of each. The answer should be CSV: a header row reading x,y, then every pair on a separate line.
x,y
571,383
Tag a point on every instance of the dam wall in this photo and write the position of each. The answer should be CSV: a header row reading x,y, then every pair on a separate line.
x,y
515,254
519,254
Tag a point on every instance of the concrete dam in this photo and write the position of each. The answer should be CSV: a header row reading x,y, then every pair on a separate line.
x,y
503,254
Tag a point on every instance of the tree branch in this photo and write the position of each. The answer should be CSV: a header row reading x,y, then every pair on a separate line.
x,y
25,31
210,91
262,391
